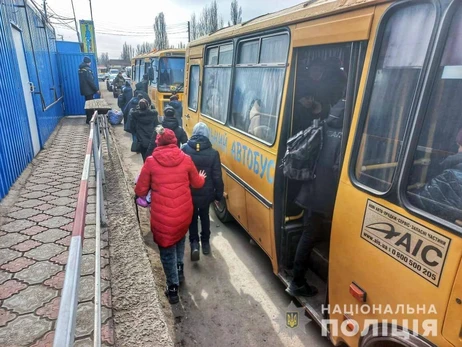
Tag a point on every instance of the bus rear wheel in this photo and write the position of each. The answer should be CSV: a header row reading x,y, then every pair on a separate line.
x,y
222,211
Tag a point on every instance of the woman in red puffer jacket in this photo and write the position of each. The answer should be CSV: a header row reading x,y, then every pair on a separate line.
x,y
170,173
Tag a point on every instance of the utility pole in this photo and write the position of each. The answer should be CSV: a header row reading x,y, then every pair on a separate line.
x,y
189,32
75,21
91,13
45,10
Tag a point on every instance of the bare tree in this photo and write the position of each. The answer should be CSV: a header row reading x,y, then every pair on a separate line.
x,y
145,47
181,45
127,52
160,29
103,59
193,29
208,22
221,24
236,13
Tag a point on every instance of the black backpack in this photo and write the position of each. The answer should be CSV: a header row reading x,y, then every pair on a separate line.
x,y
302,154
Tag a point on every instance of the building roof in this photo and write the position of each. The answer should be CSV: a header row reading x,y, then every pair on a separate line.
x,y
118,62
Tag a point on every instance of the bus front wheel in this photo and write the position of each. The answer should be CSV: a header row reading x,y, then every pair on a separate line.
x,y
222,211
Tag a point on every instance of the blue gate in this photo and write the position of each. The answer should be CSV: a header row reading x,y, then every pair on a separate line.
x,y
68,70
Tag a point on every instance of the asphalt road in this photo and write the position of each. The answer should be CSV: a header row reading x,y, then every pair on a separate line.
x,y
231,297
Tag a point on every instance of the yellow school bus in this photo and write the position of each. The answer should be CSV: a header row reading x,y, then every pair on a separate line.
x,y
165,70
388,268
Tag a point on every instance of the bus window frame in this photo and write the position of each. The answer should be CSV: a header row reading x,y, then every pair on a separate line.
x,y
284,31
419,121
202,76
391,193
198,87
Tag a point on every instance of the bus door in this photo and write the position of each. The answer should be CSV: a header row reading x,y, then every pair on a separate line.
x,y
396,232
192,97
327,72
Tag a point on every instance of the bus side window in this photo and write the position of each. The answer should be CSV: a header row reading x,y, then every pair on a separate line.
x,y
435,181
217,82
259,81
402,47
193,90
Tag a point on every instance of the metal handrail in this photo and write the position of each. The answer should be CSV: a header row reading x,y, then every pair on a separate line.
x,y
65,326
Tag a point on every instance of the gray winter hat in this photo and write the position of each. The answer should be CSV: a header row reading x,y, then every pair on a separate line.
x,y
201,129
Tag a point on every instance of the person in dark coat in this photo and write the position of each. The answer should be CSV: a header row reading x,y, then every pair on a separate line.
x,y
442,195
168,174
131,104
169,122
119,80
88,87
143,122
317,198
178,107
126,96
207,159
142,86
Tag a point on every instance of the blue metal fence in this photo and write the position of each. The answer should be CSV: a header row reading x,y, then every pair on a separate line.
x,y
38,38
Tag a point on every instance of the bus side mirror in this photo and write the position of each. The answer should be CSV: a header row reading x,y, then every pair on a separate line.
x,y
151,74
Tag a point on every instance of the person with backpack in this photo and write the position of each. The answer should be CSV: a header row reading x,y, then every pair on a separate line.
x,y
142,86
169,173
142,124
177,107
207,159
317,198
126,96
169,122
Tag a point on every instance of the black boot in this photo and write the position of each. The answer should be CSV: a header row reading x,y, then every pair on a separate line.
x,y
301,290
172,294
195,251
180,273
205,247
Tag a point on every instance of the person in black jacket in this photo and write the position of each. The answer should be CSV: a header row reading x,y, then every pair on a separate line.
x,y
176,104
88,87
142,86
207,159
442,195
169,122
317,198
143,123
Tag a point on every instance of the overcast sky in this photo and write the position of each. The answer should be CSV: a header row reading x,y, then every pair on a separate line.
x,y
136,17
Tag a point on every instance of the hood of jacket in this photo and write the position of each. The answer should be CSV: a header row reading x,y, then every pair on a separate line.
x,y
170,123
169,155
146,117
452,161
84,66
199,143
201,129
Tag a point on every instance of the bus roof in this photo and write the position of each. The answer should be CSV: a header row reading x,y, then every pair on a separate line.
x,y
306,10
164,52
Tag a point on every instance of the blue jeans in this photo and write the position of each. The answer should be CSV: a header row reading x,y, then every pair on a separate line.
x,y
171,257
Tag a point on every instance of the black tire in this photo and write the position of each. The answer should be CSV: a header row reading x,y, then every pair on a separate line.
x,y
222,211
116,95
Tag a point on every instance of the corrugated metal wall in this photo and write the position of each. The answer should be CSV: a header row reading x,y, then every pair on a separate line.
x,y
41,57
69,65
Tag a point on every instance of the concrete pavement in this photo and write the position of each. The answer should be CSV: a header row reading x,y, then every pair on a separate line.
x,y
36,221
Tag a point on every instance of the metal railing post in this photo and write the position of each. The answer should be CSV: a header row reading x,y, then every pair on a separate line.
x,y
65,325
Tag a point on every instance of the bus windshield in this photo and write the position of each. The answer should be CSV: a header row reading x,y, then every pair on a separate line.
x,y
171,74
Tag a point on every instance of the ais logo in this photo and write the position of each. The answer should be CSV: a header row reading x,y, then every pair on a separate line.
x,y
409,243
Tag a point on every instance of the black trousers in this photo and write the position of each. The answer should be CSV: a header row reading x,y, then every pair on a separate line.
x,y
144,153
203,214
312,234
89,113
